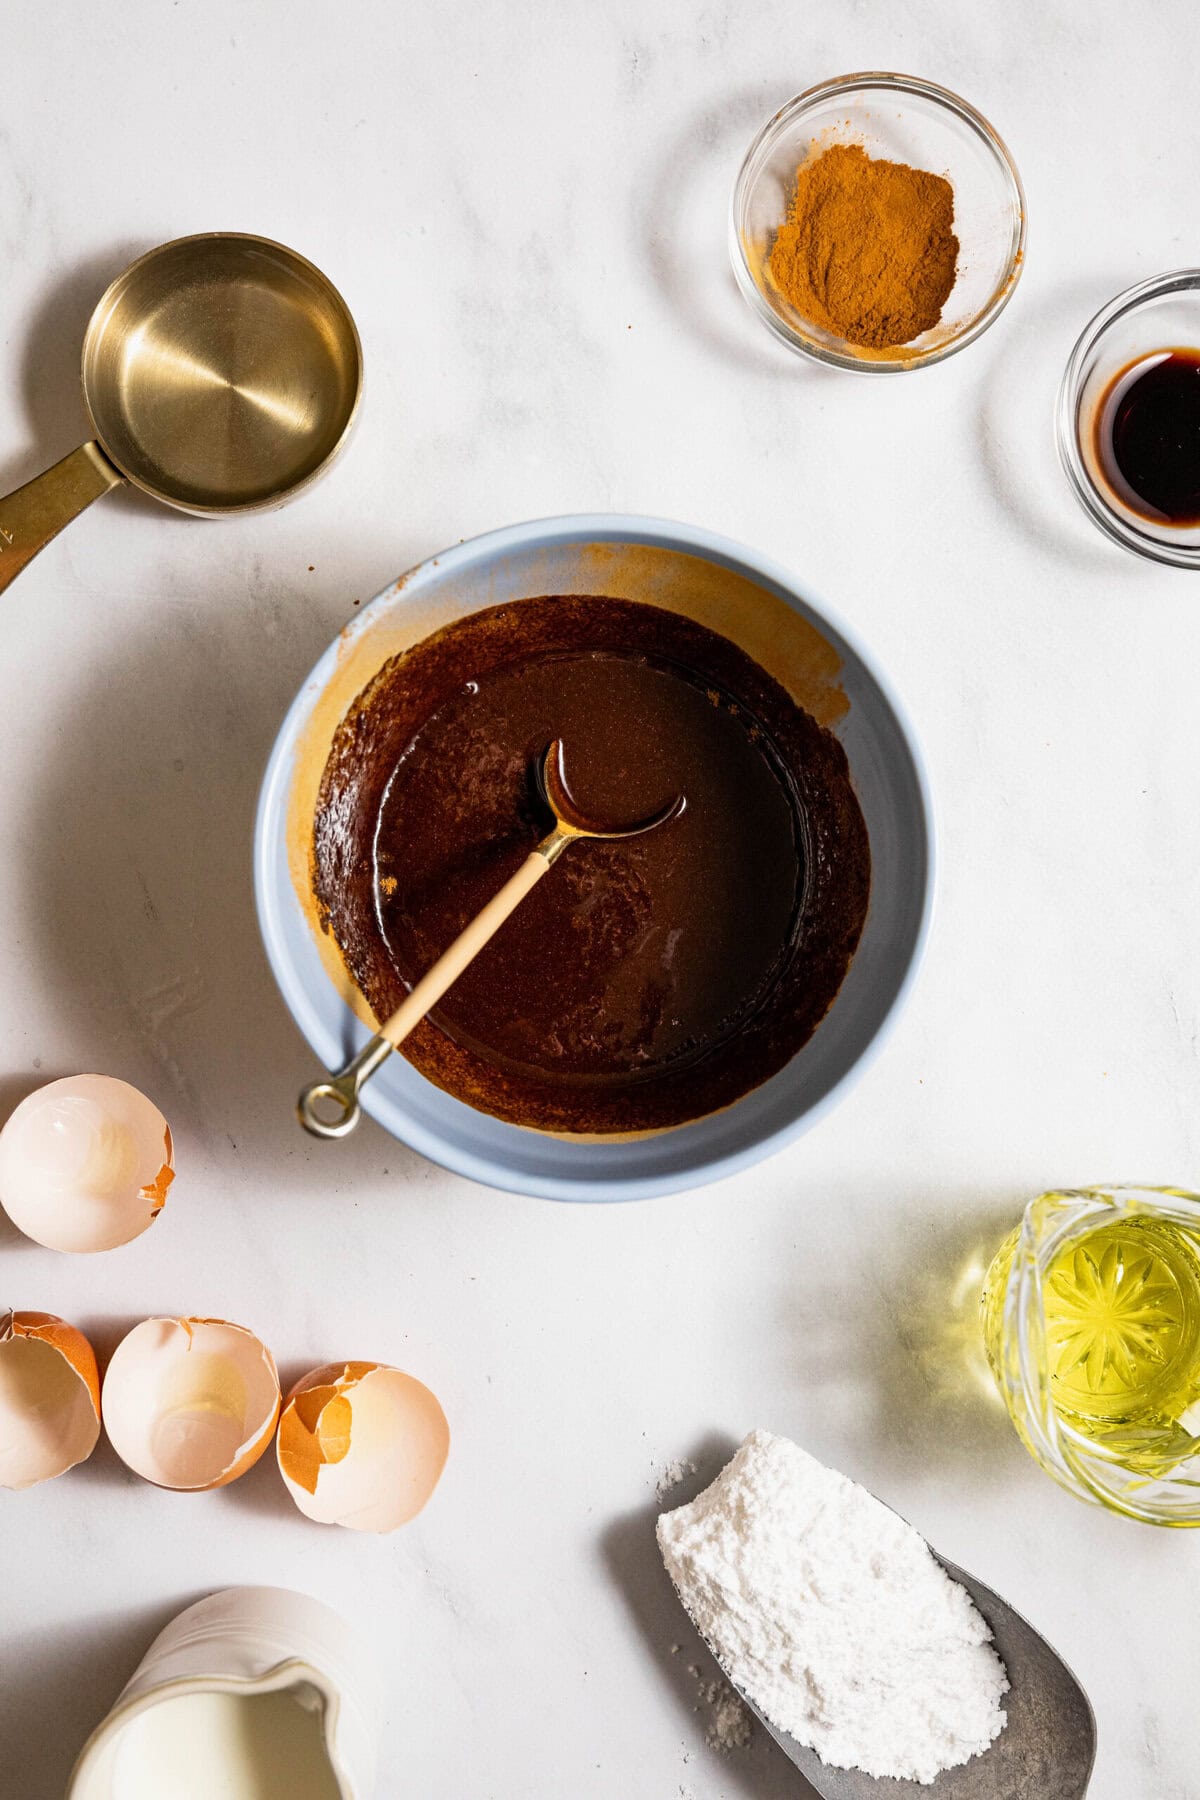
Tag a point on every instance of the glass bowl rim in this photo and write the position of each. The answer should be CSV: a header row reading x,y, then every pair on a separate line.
x,y
1113,524
891,83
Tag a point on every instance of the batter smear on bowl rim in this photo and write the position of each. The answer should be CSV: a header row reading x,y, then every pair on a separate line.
x,y
642,984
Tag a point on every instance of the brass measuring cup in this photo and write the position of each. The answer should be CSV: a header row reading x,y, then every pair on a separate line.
x,y
329,1107
221,373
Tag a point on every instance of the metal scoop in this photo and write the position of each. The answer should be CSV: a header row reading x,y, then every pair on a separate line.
x,y
221,373
1045,1752
339,1093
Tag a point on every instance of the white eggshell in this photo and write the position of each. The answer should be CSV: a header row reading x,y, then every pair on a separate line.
x,y
362,1445
85,1163
49,1398
190,1404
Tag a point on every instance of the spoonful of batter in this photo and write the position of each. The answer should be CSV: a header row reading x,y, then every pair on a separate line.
x,y
329,1107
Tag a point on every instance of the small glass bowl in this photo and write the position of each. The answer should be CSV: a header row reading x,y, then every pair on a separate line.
x,y
901,119
1014,1330
1160,314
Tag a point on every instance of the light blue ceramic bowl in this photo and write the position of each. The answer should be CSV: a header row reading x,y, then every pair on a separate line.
x,y
657,560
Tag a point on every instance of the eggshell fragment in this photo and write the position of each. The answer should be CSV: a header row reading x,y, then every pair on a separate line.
x,y
85,1163
190,1404
361,1444
49,1398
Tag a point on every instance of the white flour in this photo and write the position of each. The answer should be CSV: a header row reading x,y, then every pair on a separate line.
x,y
833,1617
728,1720
675,1472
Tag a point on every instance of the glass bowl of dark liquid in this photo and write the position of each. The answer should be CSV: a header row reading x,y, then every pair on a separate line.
x,y
1129,419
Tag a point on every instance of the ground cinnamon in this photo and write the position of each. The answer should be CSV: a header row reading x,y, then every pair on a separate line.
x,y
867,250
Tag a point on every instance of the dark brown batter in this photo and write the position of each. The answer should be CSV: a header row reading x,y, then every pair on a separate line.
x,y
641,984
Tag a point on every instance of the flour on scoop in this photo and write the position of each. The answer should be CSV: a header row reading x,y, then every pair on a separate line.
x,y
832,1616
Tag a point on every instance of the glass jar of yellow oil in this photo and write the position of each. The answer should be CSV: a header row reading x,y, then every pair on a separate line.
x,y
1091,1317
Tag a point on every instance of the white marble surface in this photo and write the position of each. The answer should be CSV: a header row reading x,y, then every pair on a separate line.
x,y
525,206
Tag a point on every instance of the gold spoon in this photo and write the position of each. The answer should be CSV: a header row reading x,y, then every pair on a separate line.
x,y
341,1090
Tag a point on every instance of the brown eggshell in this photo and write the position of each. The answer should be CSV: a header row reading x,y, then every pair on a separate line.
x,y
190,1404
49,1398
361,1444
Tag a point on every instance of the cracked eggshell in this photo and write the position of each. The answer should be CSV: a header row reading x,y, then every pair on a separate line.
x,y
49,1398
190,1404
361,1444
85,1163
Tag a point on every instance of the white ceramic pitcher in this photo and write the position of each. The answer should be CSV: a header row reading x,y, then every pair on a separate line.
x,y
255,1692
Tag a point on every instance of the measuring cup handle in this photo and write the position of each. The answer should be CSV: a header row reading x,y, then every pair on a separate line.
x,y
31,515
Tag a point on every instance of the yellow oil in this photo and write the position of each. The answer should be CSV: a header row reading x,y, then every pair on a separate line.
x,y
1122,1338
